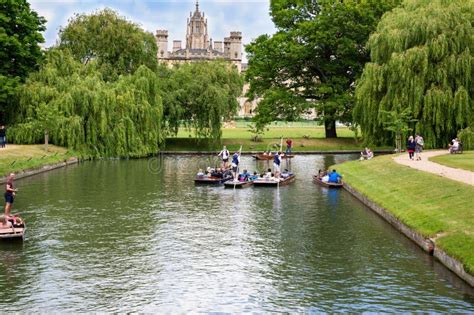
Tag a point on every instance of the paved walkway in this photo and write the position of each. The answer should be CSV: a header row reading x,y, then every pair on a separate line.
x,y
456,174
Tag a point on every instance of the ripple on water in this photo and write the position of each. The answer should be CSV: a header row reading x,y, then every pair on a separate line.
x,y
110,236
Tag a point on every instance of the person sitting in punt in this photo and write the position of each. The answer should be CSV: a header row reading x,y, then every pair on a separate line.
x,y
269,173
244,176
254,176
334,177
200,173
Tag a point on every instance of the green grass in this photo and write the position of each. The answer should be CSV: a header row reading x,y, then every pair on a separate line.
x,y
464,161
427,203
312,131
17,158
190,144
306,136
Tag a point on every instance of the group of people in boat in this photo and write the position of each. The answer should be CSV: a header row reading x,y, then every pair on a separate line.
x,y
330,176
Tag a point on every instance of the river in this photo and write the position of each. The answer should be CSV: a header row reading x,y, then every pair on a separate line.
x,y
138,235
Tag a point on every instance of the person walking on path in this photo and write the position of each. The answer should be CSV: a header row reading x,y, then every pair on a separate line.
x,y
3,136
289,146
420,143
224,154
10,192
411,146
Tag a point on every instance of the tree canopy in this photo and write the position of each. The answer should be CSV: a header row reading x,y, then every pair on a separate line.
x,y
117,45
421,60
20,53
82,111
313,59
200,95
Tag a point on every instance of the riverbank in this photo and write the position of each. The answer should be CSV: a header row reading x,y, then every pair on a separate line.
x,y
26,159
439,210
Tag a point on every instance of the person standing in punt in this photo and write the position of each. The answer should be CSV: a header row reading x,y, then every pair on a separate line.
x,y
276,162
224,154
235,165
289,146
10,192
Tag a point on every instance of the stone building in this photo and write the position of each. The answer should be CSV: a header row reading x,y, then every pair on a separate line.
x,y
200,47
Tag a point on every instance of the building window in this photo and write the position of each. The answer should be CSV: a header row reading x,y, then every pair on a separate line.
x,y
162,53
236,55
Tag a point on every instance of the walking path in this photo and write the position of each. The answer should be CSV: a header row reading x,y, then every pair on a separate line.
x,y
456,174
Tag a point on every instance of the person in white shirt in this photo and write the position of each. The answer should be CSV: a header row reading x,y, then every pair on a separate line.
x,y
225,157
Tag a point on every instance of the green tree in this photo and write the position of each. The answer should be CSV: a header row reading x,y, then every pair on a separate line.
x,y
313,59
117,45
79,110
421,60
20,53
200,95
398,123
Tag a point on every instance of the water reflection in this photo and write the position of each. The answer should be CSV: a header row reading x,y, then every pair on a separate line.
x,y
113,236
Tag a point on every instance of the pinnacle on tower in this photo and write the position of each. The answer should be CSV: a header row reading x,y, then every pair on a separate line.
x,y
197,6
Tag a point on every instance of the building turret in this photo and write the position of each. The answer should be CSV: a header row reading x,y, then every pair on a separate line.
x,y
162,43
235,52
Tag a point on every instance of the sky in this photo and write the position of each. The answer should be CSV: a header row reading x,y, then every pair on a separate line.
x,y
248,16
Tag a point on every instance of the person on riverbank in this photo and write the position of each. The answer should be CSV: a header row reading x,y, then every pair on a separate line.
x,y
3,136
224,154
420,143
454,146
334,177
411,146
289,146
276,162
10,192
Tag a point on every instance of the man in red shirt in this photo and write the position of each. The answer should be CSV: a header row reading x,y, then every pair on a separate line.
x,y
289,146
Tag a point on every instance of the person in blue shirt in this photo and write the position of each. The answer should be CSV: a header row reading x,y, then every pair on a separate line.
x,y
235,164
334,177
276,162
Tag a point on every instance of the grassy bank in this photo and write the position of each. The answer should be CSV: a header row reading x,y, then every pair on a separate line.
x,y
429,204
17,158
464,161
305,138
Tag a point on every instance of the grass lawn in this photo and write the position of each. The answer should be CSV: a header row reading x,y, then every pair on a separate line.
x,y
275,132
21,157
305,138
427,203
464,160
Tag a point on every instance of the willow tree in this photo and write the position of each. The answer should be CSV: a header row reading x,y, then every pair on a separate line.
x,y
421,59
121,118
200,95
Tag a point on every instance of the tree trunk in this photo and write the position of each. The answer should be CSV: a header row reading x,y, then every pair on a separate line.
x,y
46,139
330,128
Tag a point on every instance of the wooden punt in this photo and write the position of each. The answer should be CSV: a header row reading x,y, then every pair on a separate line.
x,y
318,180
269,182
204,180
14,232
238,185
270,157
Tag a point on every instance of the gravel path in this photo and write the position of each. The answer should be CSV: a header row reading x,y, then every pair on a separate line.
x,y
456,174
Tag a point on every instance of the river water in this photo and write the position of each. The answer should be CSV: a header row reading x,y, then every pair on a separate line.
x,y
138,235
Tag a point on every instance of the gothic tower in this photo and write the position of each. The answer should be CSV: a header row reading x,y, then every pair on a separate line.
x,y
196,33
162,43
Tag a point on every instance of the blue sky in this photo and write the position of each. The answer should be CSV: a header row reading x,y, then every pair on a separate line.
x,y
250,17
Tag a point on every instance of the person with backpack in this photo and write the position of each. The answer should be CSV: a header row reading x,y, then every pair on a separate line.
x,y
420,143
